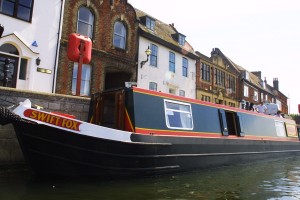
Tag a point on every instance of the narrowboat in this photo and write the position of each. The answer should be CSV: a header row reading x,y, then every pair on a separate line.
x,y
133,132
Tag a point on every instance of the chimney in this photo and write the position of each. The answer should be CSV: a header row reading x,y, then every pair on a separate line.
x,y
264,83
276,84
215,51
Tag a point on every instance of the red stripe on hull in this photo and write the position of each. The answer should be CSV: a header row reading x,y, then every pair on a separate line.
x,y
208,135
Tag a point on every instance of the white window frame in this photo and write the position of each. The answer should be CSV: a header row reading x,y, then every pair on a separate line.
x,y
246,91
153,86
182,93
85,27
280,128
169,111
120,33
85,89
154,55
150,23
255,96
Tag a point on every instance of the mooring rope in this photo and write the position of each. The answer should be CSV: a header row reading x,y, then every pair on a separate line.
x,y
7,116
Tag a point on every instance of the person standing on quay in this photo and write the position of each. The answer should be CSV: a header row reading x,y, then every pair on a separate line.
x,y
261,108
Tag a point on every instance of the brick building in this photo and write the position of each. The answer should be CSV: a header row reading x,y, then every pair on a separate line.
x,y
253,90
112,27
217,79
220,80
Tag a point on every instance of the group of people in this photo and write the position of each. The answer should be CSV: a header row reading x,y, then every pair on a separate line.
x,y
261,108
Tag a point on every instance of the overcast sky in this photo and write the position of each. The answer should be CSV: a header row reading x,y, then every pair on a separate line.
x,y
260,35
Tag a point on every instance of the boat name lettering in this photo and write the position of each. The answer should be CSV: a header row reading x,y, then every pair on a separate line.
x,y
52,119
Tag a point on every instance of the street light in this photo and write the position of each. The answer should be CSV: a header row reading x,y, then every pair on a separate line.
x,y
148,53
38,61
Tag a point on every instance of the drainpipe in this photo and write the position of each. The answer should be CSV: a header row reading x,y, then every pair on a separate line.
x,y
57,45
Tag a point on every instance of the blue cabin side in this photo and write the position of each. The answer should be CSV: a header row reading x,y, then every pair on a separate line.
x,y
155,113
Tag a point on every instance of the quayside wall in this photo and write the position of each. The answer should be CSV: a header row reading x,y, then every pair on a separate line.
x,y
10,152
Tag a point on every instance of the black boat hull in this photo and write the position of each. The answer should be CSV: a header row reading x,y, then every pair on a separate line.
x,y
51,151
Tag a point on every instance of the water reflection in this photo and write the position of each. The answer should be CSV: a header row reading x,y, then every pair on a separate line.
x,y
264,180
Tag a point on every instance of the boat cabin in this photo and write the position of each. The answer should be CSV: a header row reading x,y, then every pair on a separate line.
x,y
149,112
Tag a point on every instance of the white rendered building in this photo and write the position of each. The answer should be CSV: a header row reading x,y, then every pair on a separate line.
x,y
171,66
31,41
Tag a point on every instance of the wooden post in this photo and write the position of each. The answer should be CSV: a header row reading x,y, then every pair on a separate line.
x,y
79,70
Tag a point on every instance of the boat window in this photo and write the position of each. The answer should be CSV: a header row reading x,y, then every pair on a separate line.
x,y
280,129
178,115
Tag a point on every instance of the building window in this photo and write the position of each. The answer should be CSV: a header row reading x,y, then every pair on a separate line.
x,y
119,35
279,104
246,91
205,72
172,91
181,39
23,69
172,62
255,95
266,97
85,80
231,83
150,23
220,78
153,56
231,104
153,86
20,9
182,93
261,96
185,67
178,115
205,98
85,22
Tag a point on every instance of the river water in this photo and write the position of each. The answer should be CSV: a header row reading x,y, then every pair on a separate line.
x,y
276,179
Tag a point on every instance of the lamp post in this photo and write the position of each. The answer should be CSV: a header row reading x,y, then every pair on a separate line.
x,y
148,53
38,61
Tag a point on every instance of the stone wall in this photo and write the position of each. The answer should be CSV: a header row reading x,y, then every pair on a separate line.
x,y
10,152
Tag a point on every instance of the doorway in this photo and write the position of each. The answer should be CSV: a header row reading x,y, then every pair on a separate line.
x,y
231,122
116,80
12,70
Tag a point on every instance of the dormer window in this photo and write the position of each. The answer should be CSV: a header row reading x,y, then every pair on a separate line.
x,y
150,23
246,75
181,39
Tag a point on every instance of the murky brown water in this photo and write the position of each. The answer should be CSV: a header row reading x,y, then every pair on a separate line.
x,y
265,180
